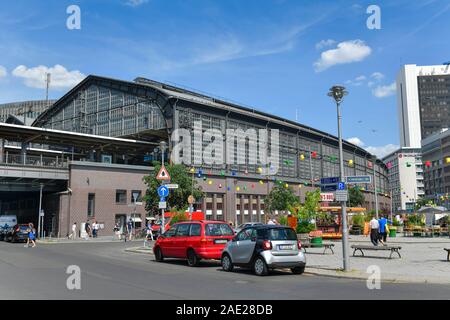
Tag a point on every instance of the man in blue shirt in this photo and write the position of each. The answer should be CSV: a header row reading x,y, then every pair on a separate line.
x,y
383,232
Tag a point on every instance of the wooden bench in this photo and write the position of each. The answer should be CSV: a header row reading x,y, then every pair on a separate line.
x,y
448,254
360,248
327,246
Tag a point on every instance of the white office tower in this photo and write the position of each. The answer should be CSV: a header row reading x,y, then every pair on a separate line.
x,y
423,102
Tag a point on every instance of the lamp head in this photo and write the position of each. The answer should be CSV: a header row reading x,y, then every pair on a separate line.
x,y
337,93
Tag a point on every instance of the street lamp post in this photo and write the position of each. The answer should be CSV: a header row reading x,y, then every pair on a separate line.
x,y
375,192
338,93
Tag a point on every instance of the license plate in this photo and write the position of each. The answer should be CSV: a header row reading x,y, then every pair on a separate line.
x,y
220,241
286,247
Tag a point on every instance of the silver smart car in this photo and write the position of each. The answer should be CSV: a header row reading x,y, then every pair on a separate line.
x,y
264,247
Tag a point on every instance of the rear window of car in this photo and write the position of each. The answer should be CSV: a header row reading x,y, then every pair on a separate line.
x,y
218,229
282,234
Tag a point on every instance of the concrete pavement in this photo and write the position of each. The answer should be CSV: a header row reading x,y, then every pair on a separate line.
x,y
109,272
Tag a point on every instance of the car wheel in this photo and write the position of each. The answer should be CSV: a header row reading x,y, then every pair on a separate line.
x,y
158,255
227,265
298,270
192,258
260,267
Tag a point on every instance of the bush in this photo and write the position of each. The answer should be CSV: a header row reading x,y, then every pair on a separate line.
x,y
359,219
305,227
283,220
178,217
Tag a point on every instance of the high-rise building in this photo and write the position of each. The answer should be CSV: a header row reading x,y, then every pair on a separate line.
x,y
423,100
405,178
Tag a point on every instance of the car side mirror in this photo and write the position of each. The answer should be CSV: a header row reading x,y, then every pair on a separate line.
x,y
253,239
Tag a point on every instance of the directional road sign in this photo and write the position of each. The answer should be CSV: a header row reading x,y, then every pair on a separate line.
x,y
163,191
358,179
329,184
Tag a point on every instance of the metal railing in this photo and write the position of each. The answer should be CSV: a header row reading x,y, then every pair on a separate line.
x,y
34,161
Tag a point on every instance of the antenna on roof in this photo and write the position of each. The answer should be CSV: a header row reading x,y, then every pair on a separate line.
x,y
47,81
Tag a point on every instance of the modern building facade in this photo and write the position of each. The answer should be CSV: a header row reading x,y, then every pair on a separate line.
x,y
25,109
436,158
423,102
406,180
146,111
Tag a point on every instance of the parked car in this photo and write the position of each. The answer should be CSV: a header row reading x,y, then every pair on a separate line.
x,y
264,247
18,233
193,240
246,225
7,222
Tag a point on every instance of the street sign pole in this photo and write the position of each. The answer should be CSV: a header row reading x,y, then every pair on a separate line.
x,y
375,187
162,145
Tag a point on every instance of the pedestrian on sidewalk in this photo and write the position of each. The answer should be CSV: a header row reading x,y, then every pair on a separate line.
x,y
87,228
130,228
31,236
384,229
73,235
117,231
95,227
374,227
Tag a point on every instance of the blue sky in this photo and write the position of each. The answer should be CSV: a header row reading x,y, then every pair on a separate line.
x,y
278,56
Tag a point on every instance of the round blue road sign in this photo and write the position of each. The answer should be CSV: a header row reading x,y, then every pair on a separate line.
x,y
163,191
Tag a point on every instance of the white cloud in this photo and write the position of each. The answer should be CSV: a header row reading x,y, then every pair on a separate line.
x,y
346,52
385,91
325,43
360,78
61,78
377,76
3,72
356,141
135,3
380,151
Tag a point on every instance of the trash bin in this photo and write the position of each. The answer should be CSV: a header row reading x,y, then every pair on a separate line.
x,y
392,232
317,240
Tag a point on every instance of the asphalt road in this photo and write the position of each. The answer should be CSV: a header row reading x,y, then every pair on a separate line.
x,y
107,272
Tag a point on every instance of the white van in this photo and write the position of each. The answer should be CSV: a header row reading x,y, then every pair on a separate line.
x,y
6,222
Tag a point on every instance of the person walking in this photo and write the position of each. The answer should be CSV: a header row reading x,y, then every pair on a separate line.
x,y
117,231
374,227
73,235
130,228
95,227
31,236
87,228
384,229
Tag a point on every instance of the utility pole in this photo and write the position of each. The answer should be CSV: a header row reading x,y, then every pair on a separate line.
x,y
338,93
40,211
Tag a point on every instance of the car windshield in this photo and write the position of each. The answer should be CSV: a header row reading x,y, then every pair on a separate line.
x,y
23,228
282,234
218,229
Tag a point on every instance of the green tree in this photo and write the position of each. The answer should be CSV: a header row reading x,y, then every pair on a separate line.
x,y
280,198
355,197
309,210
177,199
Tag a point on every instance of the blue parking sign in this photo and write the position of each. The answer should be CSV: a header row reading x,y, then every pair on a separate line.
x,y
341,186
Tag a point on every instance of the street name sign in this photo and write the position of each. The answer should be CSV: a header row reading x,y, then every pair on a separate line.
x,y
171,186
329,184
341,195
358,179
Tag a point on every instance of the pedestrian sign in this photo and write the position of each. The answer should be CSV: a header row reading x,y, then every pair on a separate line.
x,y
163,174
163,191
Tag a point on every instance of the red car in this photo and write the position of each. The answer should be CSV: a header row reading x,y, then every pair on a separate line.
x,y
193,240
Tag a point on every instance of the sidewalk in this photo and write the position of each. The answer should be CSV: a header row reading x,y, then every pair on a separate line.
x,y
82,240
423,260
